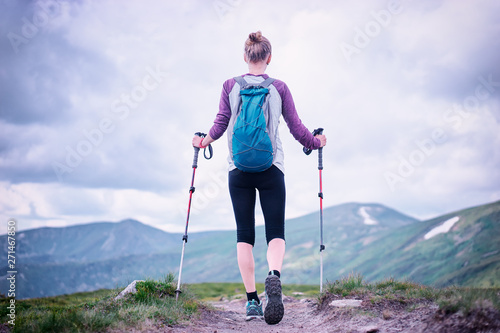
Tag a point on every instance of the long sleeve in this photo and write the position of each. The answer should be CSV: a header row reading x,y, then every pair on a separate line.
x,y
224,115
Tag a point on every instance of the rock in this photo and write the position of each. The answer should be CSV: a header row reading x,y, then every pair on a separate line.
x,y
238,296
341,303
129,290
238,300
371,329
386,314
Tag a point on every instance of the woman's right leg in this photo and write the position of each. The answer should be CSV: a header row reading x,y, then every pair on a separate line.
x,y
272,199
272,195
275,254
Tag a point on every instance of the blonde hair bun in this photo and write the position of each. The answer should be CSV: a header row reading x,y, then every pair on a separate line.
x,y
255,37
257,47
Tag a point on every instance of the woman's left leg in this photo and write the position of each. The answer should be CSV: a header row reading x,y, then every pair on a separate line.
x,y
246,265
243,197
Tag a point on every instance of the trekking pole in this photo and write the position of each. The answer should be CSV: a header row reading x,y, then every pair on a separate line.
x,y
191,191
307,151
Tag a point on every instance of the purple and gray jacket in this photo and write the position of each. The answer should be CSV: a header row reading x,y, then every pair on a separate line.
x,y
280,103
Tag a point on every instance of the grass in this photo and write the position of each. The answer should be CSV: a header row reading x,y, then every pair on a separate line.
x,y
454,299
450,300
153,304
215,291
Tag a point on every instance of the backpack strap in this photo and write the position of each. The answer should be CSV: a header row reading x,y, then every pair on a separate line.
x,y
265,84
240,80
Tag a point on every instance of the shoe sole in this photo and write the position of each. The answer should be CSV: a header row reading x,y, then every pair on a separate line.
x,y
248,318
274,306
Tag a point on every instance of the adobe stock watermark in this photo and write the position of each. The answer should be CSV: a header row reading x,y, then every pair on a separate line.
x,y
203,195
454,117
425,148
11,270
363,36
44,12
224,7
120,110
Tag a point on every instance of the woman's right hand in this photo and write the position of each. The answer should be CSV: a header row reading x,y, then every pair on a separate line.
x,y
321,138
197,141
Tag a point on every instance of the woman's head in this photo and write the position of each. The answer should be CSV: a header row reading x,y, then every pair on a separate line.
x,y
257,48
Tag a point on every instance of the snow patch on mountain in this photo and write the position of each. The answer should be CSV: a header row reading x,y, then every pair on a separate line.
x,y
109,243
442,228
367,219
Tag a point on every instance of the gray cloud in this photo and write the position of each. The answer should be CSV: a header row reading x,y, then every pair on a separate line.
x,y
100,100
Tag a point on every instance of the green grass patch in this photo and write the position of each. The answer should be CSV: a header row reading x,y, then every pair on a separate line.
x,y
355,285
454,299
153,304
346,285
150,290
212,291
450,299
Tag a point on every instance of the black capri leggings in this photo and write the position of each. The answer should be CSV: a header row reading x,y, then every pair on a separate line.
x,y
271,186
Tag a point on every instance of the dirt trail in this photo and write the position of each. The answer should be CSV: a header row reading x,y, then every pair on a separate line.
x,y
305,316
230,317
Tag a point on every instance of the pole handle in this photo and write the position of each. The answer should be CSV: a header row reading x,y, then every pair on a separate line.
x,y
195,159
320,158
197,150
317,131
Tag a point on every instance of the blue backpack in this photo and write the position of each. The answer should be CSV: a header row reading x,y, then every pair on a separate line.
x,y
252,147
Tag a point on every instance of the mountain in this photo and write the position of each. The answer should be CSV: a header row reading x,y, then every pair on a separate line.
x,y
459,248
89,242
346,229
374,240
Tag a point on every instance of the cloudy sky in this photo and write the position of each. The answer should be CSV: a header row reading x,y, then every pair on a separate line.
x,y
99,101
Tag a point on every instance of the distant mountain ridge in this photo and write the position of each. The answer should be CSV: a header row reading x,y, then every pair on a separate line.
x,y
89,242
463,252
369,238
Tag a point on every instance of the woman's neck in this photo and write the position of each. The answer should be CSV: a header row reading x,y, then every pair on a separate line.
x,y
257,68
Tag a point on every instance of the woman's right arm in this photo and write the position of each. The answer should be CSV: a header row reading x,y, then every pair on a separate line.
x,y
224,115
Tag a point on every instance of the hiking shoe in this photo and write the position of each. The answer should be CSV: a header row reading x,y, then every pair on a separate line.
x,y
254,310
274,304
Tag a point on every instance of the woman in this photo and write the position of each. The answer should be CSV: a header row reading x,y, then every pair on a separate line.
x,y
270,183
